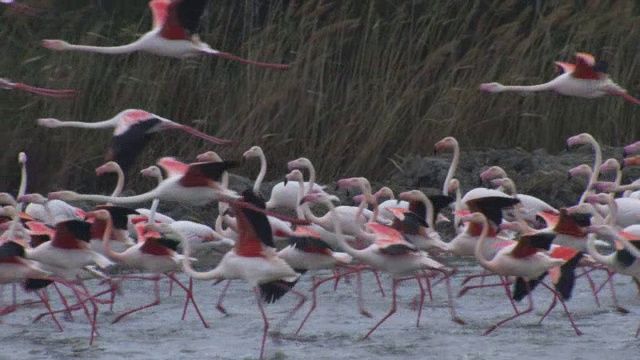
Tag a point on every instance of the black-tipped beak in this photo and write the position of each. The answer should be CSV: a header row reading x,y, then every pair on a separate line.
x,y
398,201
435,150
285,181
624,154
348,193
301,202
569,176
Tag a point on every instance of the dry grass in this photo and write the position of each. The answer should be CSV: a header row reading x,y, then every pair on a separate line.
x,y
370,81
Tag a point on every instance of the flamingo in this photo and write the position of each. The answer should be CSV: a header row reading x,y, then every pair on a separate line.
x,y
631,149
133,128
587,78
194,184
151,214
253,259
284,194
586,138
525,260
48,211
7,84
449,142
173,35
152,253
391,253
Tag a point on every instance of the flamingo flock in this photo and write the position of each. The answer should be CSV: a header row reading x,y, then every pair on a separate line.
x,y
53,246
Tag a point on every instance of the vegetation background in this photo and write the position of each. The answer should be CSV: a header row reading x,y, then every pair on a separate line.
x,y
371,83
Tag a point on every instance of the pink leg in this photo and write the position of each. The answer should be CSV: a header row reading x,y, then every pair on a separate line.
x,y
45,301
475,276
564,305
421,302
264,318
64,301
392,310
156,289
586,272
222,294
452,308
517,314
189,297
313,305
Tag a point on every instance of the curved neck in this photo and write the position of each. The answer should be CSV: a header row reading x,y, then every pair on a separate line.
x,y
595,173
308,214
186,262
261,174
106,240
530,88
360,233
611,218
452,168
618,180
299,211
22,189
119,184
312,178
337,228
119,200
597,256
87,125
479,253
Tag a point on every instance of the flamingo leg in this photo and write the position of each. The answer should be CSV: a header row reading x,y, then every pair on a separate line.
x,y
246,61
45,301
256,290
592,285
392,310
221,297
476,276
189,297
421,302
447,281
313,304
564,305
64,302
517,314
156,289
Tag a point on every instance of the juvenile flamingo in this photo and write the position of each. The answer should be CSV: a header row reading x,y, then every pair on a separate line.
x,y
133,128
587,78
175,24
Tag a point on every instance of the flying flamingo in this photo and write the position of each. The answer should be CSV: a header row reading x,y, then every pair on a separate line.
x,y
587,78
525,260
391,253
253,259
6,84
175,24
194,184
133,128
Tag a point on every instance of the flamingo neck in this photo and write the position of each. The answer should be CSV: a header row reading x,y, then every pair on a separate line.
x,y
607,260
611,218
22,189
299,211
596,170
530,88
186,262
114,50
312,178
106,240
261,174
119,184
452,168
337,228
119,200
479,253
618,180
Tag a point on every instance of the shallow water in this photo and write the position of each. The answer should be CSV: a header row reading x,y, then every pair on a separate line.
x,y
336,327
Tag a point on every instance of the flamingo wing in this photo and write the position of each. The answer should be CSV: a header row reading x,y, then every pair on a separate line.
x,y
550,218
70,233
11,249
159,11
310,245
38,228
254,229
491,206
182,19
119,215
584,67
303,231
172,167
439,202
204,173
530,244
563,252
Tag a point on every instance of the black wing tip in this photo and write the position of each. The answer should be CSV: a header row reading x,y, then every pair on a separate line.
x,y
11,249
36,284
169,243
567,279
80,229
274,290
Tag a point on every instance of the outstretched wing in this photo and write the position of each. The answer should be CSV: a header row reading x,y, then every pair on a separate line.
x,y
182,19
159,11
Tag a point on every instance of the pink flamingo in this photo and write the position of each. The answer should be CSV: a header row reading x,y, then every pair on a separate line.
x,y
587,78
133,128
173,34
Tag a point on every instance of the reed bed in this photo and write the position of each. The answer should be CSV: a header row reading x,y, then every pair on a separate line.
x,y
371,82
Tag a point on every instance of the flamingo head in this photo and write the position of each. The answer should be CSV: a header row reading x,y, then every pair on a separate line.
x,y
453,186
493,173
610,165
208,156
631,161
32,198
631,149
299,163
151,171
110,166
99,214
504,182
63,195
412,195
601,198
604,186
7,199
447,143
493,87
254,151
294,175
475,217
583,169
5,84
580,139
55,44
383,192
49,122
22,158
